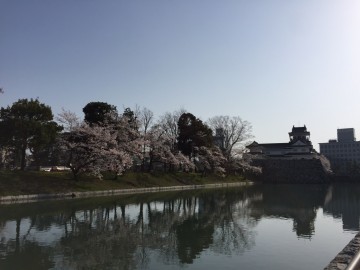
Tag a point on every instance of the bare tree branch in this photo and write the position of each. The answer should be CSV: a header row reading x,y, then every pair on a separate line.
x,y
235,132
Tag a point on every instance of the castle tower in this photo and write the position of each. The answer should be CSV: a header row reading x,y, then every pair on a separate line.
x,y
299,134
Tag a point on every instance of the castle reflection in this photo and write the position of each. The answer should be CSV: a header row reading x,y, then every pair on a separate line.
x,y
176,228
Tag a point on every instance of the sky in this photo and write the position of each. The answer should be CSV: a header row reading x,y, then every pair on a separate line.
x,y
274,63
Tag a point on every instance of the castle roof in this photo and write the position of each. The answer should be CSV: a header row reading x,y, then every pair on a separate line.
x,y
276,145
299,130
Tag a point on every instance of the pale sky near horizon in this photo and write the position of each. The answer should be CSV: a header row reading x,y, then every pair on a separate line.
x,y
275,63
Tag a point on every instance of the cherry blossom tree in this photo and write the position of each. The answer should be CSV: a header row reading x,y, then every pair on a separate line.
x,y
161,139
96,148
160,149
210,160
7,157
129,142
326,164
243,166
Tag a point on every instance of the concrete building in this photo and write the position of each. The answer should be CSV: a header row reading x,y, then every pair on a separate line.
x,y
346,135
343,153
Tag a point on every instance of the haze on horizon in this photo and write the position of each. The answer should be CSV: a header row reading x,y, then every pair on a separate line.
x,y
275,63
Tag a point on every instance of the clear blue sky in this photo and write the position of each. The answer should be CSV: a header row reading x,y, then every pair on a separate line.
x,y
274,63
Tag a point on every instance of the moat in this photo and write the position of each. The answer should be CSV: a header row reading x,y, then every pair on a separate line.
x,y
255,227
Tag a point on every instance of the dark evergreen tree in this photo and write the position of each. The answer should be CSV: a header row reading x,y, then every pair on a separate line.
x,y
99,112
27,126
133,121
193,133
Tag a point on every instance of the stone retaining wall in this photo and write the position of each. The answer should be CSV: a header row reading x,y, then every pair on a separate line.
x,y
278,170
345,257
69,195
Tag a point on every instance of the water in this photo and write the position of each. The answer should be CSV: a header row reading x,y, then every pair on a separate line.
x,y
257,227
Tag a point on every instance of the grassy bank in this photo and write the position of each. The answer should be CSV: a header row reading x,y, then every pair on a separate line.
x,y
22,183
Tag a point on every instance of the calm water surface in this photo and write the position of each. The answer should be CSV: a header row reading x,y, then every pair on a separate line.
x,y
257,227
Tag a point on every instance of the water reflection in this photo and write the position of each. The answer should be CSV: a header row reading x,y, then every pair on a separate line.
x,y
344,201
171,228
296,202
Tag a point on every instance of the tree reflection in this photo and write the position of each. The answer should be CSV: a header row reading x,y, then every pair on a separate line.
x,y
193,236
174,229
122,236
31,255
22,253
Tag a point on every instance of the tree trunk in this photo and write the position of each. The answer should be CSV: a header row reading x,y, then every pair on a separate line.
x,y
150,163
75,173
17,238
23,158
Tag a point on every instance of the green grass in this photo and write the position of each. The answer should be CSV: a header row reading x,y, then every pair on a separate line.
x,y
21,183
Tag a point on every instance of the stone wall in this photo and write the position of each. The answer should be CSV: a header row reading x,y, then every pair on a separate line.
x,y
346,257
282,170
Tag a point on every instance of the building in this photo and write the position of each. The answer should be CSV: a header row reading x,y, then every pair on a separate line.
x,y
343,153
346,135
219,138
292,162
299,145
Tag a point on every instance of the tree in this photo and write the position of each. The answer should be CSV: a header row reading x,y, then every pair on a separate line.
x,y
96,148
27,125
146,119
192,133
243,166
7,157
234,132
159,145
210,160
69,120
168,123
132,118
129,143
49,155
99,112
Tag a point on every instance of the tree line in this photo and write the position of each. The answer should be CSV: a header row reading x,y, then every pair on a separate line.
x,y
106,140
